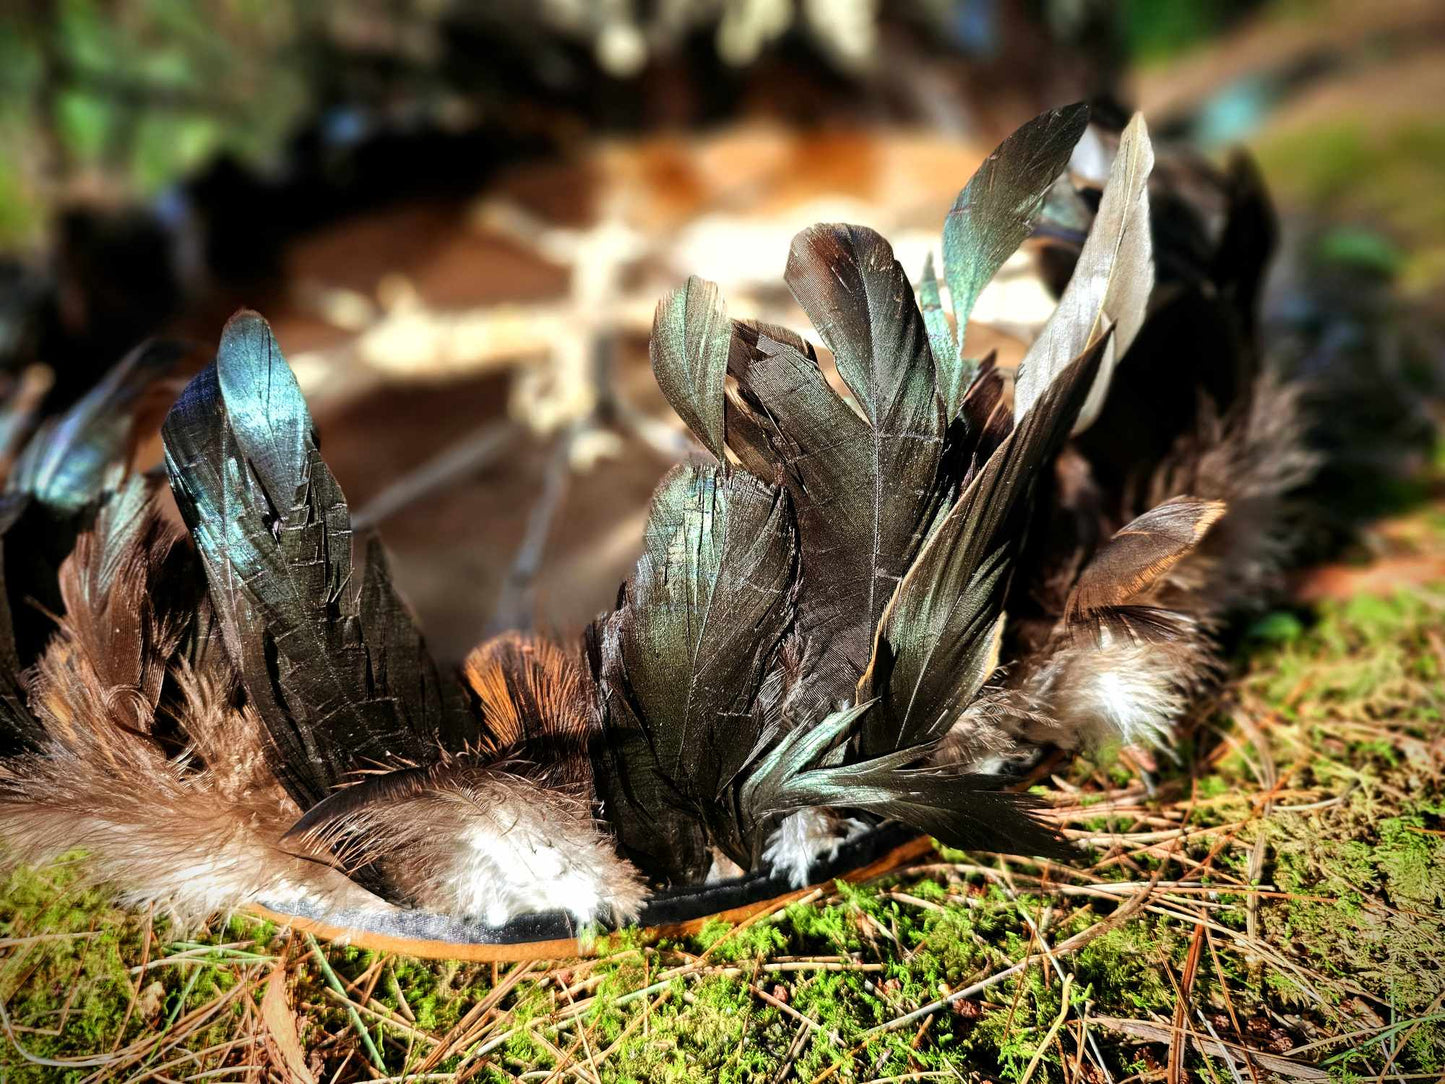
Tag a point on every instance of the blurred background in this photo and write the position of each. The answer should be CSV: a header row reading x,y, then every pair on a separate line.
x,y
459,214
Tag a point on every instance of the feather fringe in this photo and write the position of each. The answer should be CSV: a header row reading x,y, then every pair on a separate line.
x,y
1258,463
484,842
166,836
189,834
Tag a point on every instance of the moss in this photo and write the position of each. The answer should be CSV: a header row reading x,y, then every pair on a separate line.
x,y
1348,929
1123,968
1355,167
729,943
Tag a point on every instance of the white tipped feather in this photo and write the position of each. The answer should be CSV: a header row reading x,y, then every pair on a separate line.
x,y
519,857
1109,687
489,845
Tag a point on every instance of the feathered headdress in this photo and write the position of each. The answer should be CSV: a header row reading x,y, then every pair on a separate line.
x,y
859,614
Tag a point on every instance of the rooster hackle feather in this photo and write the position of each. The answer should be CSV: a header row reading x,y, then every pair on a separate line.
x,y
851,608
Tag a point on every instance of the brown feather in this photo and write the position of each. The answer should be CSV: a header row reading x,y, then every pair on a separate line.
x,y
1131,562
533,701
485,839
162,833
192,834
115,641
501,830
1256,460
189,837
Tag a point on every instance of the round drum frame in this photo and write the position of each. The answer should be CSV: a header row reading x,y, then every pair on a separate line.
x,y
555,935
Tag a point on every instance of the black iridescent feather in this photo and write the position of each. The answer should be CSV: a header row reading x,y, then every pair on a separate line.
x,y
684,658
991,217
66,463
336,670
866,483
938,642
900,571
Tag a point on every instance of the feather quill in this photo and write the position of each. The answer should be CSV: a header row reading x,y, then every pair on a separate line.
x,y
990,219
866,489
937,642
1110,286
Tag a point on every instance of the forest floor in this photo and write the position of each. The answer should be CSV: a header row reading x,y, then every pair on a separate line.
x,y
1270,905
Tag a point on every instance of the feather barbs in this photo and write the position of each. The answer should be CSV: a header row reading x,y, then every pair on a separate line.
x,y
527,688
1140,554
849,615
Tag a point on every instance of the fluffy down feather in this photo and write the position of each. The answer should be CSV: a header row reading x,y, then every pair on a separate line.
x,y
1113,687
987,734
190,835
165,836
484,842
807,837
171,833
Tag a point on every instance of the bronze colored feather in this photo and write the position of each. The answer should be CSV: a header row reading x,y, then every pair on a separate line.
x,y
534,703
1142,552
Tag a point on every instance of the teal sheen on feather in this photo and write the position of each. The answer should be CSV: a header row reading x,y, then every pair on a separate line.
x,y
701,624
274,533
1110,286
691,335
993,215
938,641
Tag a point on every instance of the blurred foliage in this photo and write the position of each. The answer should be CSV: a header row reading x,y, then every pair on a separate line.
x,y
116,99
1383,181
1155,31
119,97
1357,166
